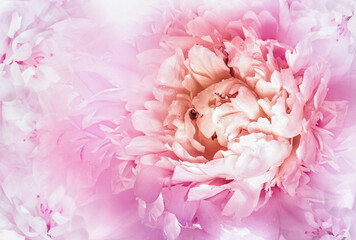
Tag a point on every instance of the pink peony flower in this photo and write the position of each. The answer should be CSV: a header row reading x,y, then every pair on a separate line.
x,y
236,114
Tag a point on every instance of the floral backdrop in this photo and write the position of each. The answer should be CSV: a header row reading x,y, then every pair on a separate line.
x,y
177,119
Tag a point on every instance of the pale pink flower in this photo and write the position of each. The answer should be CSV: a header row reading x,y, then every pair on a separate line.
x,y
59,131
237,114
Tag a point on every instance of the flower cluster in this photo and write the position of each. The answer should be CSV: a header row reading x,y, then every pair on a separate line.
x,y
58,131
205,120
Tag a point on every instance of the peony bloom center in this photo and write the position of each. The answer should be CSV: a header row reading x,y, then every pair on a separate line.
x,y
223,104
